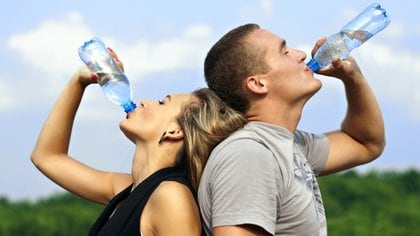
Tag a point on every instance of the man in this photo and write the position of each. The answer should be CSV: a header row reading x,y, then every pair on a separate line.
x,y
261,179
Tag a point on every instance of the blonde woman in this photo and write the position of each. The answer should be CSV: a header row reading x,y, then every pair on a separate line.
x,y
173,138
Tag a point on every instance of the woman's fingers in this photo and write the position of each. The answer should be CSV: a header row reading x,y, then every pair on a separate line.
x,y
116,59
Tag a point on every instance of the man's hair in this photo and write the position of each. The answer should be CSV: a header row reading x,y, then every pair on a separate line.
x,y
229,62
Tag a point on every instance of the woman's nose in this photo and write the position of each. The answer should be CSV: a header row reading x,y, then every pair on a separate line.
x,y
145,103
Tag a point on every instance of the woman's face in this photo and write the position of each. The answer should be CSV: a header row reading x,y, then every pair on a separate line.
x,y
152,118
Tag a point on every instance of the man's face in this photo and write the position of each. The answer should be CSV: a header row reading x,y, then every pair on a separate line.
x,y
289,79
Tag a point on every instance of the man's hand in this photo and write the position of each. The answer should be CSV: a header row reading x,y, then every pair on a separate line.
x,y
343,69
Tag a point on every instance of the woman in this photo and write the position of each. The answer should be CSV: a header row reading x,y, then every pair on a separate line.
x,y
173,139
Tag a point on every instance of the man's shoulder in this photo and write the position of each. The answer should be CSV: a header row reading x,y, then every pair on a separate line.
x,y
242,147
244,137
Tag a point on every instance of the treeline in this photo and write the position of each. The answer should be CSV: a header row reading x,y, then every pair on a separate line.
x,y
373,203
58,215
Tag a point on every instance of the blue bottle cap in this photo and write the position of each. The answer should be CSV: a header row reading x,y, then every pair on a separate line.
x,y
313,65
129,107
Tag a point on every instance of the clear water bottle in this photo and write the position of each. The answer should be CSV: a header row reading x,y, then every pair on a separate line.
x,y
113,81
372,20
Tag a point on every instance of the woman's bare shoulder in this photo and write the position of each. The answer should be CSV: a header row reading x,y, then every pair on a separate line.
x,y
173,209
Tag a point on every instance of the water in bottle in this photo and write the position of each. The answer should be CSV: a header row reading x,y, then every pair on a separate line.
x,y
117,88
113,81
372,20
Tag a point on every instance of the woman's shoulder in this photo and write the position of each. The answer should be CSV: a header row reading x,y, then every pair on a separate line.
x,y
170,194
172,199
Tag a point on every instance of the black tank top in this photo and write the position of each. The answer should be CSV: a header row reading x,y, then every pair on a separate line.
x,y
126,219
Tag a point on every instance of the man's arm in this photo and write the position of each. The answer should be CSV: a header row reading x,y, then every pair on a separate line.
x,y
361,138
240,230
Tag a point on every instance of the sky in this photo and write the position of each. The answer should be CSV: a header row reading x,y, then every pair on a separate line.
x,y
163,45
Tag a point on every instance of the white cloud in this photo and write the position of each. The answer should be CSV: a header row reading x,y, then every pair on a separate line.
x,y
51,49
395,30
49,53
52,46
186,51
394,73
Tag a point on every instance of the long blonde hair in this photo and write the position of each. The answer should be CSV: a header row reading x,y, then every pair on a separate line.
x,y
205,122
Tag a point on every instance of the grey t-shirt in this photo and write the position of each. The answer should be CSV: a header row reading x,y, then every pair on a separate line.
x,y
264,175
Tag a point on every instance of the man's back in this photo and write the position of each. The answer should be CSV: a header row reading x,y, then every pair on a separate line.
x,y
264,175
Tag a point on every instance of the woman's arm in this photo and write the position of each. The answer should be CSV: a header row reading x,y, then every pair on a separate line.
x,y
50,154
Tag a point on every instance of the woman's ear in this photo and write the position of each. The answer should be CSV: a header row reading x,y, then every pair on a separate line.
x,y
174,133
256,84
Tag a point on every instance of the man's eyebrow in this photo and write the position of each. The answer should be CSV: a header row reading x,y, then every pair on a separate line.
x,y
168,97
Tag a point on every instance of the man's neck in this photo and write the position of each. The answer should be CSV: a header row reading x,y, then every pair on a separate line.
x,y
281,116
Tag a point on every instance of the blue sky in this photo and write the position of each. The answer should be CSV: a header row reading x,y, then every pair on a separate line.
x,y
163,45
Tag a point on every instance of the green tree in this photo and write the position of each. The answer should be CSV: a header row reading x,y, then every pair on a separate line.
x,y
374,203
62,214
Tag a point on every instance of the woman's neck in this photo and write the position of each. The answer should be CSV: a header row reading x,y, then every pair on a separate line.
x,y
148,160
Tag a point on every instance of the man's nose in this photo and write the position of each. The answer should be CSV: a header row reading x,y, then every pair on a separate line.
x,y
300,55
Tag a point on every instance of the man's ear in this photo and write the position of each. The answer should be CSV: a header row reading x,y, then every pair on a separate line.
x,y
256,84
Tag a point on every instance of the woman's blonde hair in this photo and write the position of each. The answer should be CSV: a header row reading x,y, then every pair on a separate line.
x,y
205,122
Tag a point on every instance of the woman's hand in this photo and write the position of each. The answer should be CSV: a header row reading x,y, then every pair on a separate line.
x,y
86,77
116,59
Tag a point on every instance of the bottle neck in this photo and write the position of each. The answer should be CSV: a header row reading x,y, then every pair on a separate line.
x,y
313,65
129,106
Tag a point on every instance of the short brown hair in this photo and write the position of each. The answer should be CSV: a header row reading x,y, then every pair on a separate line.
x,y
229,62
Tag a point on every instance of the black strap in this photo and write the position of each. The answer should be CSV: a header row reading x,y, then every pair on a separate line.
x,y
125,220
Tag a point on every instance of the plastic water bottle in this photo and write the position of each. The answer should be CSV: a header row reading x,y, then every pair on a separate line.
x,y
372,20
113,81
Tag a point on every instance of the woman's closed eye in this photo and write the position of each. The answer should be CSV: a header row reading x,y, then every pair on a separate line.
x,y
162,101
